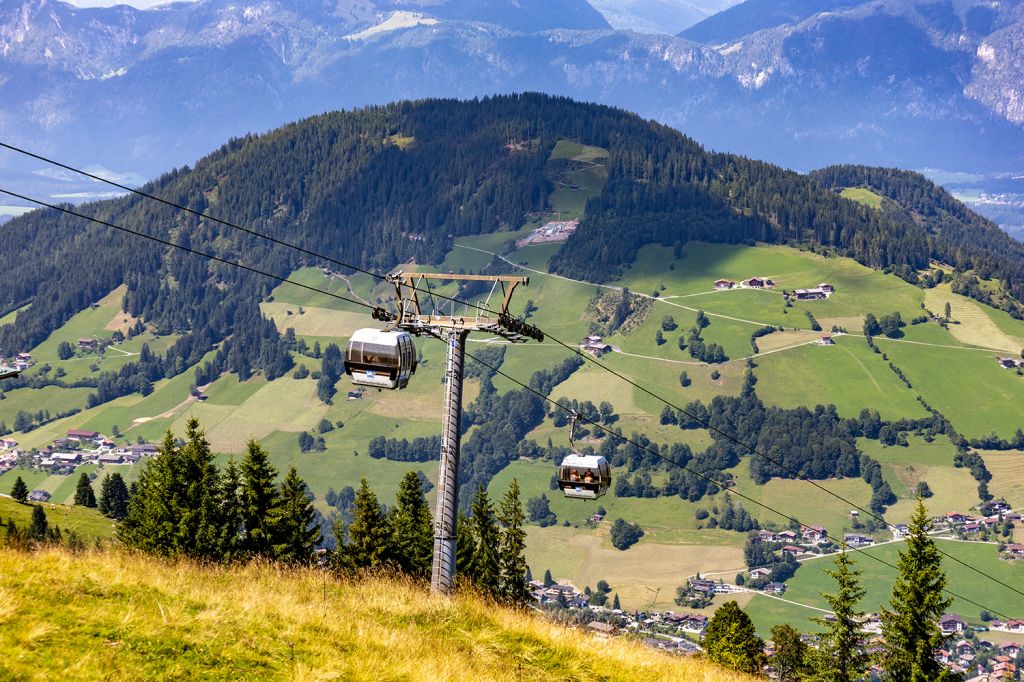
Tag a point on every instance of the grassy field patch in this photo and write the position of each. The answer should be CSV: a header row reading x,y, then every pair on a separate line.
x,y
862,195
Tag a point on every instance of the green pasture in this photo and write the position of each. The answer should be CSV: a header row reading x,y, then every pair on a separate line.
x,y
862,195
877,579
904,467
849,375
808,503
966,385
32,400
88,523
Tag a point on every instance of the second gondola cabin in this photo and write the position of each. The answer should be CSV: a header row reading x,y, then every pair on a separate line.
x,y
586,477
379,358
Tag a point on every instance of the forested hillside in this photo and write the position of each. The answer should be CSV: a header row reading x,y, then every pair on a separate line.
x,y
385,185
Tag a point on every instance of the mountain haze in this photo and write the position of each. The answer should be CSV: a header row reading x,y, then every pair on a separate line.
x,y
872,82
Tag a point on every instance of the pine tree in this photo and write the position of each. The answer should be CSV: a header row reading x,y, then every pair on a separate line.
x,y
841,656
412,528
732,642
615,602
19,491
296,531
910,629
548,580
512,555
232,535
790,658
113,500
84,495
258,499
39,529
368,535
485,569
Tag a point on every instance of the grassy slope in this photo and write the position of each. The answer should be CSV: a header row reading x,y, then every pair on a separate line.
x,y
121,617
88,523
878,579
862,195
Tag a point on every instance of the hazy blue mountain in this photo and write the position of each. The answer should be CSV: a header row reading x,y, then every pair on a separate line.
x,y
886,82
658,16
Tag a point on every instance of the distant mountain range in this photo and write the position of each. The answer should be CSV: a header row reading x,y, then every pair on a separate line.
x,y
886,82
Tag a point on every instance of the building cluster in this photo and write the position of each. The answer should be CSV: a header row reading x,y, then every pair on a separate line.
x,y
20,361
752,283
822,291
971,527
554,231
77,447
595,345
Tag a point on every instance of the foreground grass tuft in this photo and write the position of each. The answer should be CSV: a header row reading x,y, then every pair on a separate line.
x,y
117,616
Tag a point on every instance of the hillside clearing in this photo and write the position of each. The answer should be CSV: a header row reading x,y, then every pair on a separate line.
x,y
124,617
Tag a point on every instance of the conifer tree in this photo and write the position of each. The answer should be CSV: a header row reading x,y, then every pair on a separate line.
x,y
113,500
732,642
485,569
84,495
615,602
175,509
295,529
465,546
199,530
39,529
910,629
512,555
232,535
19,491
841,656
258,499
412,528
368,535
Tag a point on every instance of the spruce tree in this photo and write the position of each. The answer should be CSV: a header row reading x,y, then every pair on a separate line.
x,y
84,495
296,531
113,500
910,629
615,602
731,641
412,528
790,657
258,499
19,491
485,570
103,502
199,529
465,546
369,536
175,508
841,656
512,555
232,535
39,529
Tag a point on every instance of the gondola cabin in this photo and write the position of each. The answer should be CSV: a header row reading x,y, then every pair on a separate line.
x,y
584,477
382,359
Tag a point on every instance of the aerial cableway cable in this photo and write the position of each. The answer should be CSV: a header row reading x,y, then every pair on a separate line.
x,y
280,278
619,436
572,348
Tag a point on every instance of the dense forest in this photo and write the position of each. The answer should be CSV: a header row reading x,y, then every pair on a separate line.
x,y
384,185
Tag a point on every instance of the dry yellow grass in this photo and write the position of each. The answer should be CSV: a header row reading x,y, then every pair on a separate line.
x,y
975,328
116,616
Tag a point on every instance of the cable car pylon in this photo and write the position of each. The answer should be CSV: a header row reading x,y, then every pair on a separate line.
x,y
382,367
